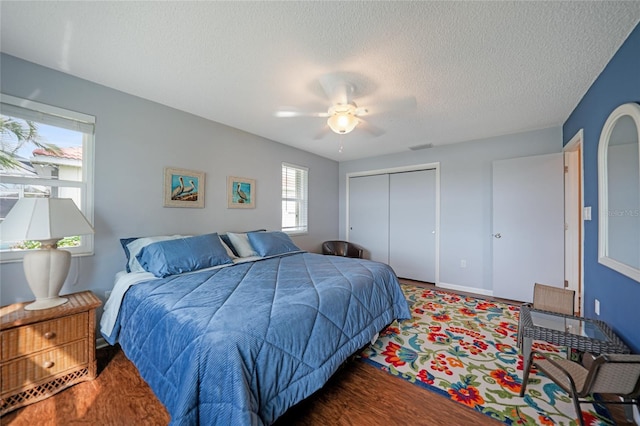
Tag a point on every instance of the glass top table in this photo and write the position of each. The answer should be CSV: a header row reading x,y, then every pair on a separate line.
x,y
583,334
573,325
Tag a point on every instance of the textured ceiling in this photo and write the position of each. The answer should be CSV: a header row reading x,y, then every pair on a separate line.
x,y
476,69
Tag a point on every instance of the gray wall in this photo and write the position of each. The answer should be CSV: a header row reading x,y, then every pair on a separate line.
x,y
135,140
465,196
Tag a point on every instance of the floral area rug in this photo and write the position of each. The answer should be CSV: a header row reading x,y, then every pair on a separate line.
x,y
465,349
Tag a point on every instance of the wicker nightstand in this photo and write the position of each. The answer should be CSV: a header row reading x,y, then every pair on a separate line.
x,y
43,352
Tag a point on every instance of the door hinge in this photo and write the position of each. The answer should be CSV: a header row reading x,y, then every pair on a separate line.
x,y
566,283
566,169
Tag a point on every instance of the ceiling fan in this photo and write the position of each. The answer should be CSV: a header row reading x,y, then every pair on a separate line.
x,y
344,115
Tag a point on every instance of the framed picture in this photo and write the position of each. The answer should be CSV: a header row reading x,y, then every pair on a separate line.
x,y
241,193
183,188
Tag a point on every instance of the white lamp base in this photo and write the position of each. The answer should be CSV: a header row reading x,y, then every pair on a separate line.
x,y
46,303
46,270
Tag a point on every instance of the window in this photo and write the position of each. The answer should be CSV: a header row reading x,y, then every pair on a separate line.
x,y
295,194
45,151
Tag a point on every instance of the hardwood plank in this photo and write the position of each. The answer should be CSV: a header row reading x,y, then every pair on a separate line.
x,y
361,394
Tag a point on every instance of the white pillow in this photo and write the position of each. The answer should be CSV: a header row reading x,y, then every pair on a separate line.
x,y
230,252
241,244
140,243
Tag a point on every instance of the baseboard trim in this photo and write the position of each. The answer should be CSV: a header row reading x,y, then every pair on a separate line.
x,y
475,290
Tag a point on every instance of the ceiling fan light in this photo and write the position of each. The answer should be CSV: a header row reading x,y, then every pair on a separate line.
x,y
342,122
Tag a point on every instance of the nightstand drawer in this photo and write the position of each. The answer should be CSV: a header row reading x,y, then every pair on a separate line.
x,y
31,338
38,367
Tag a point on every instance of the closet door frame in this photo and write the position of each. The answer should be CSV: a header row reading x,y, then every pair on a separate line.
x,y
412,168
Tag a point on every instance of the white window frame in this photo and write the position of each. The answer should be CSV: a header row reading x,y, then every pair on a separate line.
x,y
67,119
302,201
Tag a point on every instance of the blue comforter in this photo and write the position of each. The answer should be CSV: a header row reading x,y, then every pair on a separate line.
x,y
242,344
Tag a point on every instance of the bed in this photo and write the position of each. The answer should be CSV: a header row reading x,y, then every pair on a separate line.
x,y
242,341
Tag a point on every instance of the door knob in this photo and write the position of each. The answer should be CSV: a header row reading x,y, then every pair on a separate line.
x,y
497,235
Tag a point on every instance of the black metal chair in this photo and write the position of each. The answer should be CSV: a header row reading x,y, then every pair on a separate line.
x,y
342,248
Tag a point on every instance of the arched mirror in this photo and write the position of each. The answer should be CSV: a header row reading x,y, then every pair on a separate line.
x,y
619,191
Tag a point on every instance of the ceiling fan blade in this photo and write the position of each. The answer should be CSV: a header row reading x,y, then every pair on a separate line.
x,y
337,90
405,104
322,133
288,113
370,128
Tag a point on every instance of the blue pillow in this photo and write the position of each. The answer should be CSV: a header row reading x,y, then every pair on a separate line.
x,y
124,242
132,250
181,255
271,243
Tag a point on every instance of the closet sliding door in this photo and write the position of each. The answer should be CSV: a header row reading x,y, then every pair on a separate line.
x,y
393,217
369,215
412,224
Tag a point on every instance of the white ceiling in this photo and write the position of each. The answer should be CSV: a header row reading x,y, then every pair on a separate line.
x,y
476,69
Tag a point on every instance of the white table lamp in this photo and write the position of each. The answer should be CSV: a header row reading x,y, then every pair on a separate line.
x,y
46,220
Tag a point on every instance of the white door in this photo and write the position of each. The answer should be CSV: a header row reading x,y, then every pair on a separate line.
x,y
528,225
412,224
369,215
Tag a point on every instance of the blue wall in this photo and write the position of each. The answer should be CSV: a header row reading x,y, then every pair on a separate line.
x,y
619,295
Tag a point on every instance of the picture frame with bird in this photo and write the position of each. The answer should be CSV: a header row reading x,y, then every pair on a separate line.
x,y
241,193
183,188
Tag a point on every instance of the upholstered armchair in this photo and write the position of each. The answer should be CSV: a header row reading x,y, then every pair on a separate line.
x,y
342,248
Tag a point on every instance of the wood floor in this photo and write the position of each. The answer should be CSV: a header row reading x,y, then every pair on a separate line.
x,y
358,394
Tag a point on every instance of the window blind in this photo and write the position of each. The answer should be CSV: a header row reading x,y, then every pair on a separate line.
x,y
294,198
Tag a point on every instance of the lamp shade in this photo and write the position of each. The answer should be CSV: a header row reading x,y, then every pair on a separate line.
x,y
44,219
342,123
342,118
